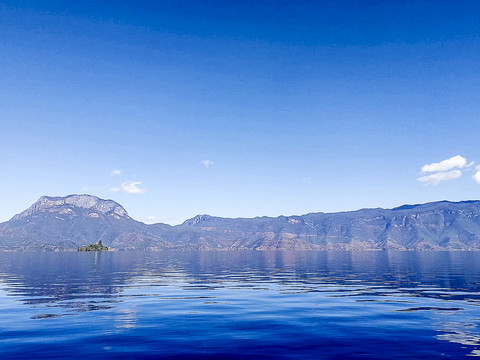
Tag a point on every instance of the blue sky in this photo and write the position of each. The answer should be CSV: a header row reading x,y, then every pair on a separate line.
x,y
246,108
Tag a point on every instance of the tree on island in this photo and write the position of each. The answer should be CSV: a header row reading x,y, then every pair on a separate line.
x,y
94,247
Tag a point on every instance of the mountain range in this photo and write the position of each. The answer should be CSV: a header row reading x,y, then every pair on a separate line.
x,y
66,223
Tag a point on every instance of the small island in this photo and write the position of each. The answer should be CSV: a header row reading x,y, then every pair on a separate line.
x,y
93,247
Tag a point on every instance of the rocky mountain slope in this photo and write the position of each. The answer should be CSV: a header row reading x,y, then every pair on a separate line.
x,y
65,223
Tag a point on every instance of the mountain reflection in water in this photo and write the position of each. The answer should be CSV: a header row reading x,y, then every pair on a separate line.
x,y
244,304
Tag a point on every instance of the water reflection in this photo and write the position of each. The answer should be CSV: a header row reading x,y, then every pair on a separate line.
x,y
91,281
126,318
463,333
261,297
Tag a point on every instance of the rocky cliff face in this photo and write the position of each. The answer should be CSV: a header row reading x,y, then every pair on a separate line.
x,y
435,226
66,223
68,205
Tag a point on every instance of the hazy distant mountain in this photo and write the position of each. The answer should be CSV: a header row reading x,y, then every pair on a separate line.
x,y
65,223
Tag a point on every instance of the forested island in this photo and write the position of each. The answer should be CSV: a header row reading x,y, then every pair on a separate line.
x,y
94,247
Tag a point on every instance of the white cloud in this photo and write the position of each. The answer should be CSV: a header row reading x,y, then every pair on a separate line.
x,y
447,169
456,162
435,179
116,172
129,187
206,163
155,220
476,176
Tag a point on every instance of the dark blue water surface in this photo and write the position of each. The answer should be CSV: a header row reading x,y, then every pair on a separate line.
x,y
240,305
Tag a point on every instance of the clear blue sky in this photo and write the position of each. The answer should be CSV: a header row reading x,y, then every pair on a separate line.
x,y
239,108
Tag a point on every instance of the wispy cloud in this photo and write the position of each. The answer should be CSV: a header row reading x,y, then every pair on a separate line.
x,y
456,162
129,187
155,220
206,163
437,178
116,172
307,180
447,169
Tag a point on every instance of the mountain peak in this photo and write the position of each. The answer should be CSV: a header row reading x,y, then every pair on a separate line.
x,y
83,201
197,220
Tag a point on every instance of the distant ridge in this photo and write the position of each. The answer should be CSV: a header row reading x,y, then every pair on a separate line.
x,y
67,223
436,203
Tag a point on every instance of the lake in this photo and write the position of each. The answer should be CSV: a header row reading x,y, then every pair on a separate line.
x,y
240,305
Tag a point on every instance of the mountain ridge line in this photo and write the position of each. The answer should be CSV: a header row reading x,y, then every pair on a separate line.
x,y
58,223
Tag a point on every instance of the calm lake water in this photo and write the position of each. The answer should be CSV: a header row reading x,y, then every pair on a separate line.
x,y
240,305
